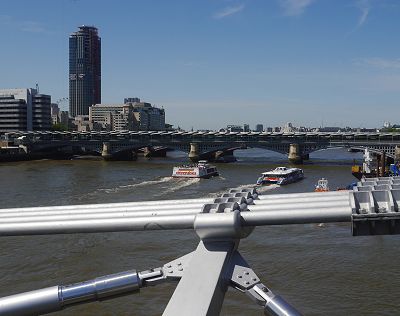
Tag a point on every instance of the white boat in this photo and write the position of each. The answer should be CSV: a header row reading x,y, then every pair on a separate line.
x,y
281,176
200,170
322,185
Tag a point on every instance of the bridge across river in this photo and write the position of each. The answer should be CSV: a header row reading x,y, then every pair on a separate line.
x,y
203,145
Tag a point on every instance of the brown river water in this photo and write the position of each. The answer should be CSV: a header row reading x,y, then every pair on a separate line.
x,y
320,270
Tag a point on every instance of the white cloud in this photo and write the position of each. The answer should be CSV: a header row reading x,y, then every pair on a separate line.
x,y
24,26
228,11
32,27
380,63
295,7
364,6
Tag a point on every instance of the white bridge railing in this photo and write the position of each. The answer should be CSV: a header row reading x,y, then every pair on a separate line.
x,y
204,274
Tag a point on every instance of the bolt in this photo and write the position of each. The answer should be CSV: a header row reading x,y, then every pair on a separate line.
x,y
247,273
180,269
169,266
179,264
265,289
239,276
170,271
247,282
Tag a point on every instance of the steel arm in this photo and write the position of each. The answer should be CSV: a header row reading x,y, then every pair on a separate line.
x,y
244,279
56,298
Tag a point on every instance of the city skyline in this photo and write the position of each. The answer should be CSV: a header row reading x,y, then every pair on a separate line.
x,y
309,62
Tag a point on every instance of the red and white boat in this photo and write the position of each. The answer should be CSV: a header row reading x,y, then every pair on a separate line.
x,y
200,170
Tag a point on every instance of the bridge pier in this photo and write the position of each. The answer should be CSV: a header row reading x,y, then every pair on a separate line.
x,y
295,155
194,154
150,151
106,152
125,155
224,156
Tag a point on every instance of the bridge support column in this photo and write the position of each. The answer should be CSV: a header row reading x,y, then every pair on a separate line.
x,y
106,152
194,152
295,156
397,154
224,156
148,151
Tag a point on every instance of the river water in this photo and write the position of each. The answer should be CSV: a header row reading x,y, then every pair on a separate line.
x,y
320,270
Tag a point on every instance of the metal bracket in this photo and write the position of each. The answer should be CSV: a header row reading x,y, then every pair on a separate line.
x,y
175,269
375,212
244,279
221,219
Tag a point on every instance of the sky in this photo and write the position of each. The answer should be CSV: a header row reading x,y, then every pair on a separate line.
x,y
210,63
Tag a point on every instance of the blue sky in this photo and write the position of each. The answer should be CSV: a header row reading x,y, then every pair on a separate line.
x,y
215,62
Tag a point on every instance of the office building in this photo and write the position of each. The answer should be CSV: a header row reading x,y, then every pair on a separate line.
x,y
84,70
234,128
55,113
128,116
24,110
259,128
112,117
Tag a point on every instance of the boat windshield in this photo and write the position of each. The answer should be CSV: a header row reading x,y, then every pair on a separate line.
x,y
273,175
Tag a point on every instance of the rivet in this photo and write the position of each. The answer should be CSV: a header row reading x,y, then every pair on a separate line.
x,y
180,269
239,276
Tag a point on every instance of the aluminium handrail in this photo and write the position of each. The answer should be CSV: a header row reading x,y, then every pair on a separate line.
x,y
220,224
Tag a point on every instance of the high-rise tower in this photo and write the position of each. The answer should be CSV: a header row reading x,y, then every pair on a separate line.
x,y
84,70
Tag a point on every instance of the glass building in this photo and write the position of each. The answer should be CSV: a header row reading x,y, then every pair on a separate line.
x,y
84,70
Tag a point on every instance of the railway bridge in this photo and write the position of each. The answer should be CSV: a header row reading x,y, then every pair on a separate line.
x,y
213,146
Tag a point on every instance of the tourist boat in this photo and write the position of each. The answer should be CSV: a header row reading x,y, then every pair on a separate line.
x,y
281,176
200,170
322,185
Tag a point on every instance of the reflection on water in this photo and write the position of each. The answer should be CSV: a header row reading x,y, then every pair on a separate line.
x,y
321,270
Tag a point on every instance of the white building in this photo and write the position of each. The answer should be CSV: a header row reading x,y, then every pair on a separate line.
x,y
24,110
128,116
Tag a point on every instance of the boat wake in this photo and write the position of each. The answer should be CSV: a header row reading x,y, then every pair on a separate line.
x,y
128,187
177,184
260,189
265,188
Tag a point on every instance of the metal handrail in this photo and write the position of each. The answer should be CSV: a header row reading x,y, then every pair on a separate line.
x,y
324,207
220,223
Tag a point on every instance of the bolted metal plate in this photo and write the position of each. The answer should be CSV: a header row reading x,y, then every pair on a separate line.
x,y
175,268
244,277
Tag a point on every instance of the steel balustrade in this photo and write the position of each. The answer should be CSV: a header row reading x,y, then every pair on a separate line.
x,y
220,223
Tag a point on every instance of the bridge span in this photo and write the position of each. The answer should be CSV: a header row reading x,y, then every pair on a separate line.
x,y
202,145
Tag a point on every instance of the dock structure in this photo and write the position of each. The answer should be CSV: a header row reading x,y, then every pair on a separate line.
x,y
203,275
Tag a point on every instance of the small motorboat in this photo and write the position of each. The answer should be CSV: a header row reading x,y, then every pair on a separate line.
x,y
322,185
200,170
